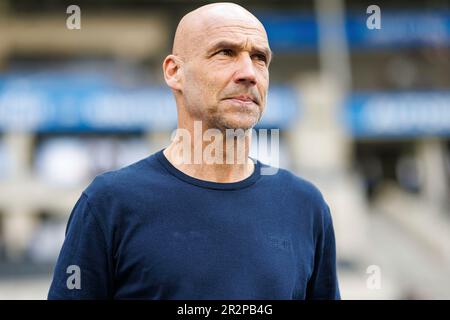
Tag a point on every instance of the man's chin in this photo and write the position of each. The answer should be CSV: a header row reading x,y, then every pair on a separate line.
x,y
239,126
244,122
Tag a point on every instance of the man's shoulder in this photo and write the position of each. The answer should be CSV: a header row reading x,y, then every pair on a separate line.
x,y
304,195
293,183
111,183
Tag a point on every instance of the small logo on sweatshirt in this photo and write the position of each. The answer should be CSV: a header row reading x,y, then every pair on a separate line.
x,y
280,243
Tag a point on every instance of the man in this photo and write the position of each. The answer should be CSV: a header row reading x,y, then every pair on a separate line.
x,y
168,227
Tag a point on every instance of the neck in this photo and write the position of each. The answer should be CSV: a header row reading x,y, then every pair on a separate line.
x,y
211,154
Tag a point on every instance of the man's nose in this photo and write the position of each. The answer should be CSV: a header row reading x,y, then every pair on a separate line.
x,y
245,73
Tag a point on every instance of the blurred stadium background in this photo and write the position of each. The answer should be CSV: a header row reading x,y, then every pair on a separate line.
x,y
364,114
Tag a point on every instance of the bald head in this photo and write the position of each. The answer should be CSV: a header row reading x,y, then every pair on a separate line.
x,y
219,67
196,26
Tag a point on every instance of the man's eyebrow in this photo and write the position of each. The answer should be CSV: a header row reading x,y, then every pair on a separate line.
x,y
234,45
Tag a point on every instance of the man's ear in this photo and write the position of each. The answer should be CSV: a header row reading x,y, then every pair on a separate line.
x,y
172,72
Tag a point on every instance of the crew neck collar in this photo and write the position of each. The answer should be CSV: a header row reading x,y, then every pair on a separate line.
x,y
210,184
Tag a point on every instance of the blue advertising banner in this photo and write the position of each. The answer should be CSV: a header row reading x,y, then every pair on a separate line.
x,y
299,31
408,114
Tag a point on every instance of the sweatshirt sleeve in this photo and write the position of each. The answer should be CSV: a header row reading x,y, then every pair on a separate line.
x,y
323,284
83,268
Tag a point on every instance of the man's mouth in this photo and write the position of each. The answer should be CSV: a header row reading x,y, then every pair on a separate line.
x,y
244,99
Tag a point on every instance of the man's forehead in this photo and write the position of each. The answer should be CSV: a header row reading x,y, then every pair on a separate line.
x,y
210,23
237,27
234,30
247,23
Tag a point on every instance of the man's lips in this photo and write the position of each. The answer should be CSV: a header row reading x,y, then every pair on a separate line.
x,y
243,99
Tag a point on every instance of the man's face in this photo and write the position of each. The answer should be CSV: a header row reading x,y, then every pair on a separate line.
x,y
226,77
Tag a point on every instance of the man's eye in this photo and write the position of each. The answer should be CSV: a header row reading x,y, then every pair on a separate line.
x,y
226,52
260,57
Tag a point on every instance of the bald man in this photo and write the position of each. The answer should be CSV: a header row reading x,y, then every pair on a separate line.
x,y
176,225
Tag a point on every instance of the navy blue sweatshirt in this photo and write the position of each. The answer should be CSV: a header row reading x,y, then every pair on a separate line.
x,y
149,231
